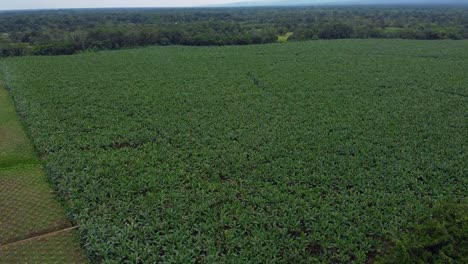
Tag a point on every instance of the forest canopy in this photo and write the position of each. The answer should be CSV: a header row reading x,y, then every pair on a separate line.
x,y
62,32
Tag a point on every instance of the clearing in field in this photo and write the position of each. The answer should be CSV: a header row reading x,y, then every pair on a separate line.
x,y
297,153
30,215
284,38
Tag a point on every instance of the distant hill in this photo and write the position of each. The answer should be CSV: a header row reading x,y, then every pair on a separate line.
x,y
344,2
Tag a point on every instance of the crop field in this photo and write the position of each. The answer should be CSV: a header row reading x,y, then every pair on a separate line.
x,y
305,152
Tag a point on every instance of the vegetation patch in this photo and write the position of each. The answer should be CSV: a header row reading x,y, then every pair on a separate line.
x,y
65,32
441,237
284,38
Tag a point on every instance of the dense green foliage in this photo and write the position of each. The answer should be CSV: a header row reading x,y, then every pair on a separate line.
x,y
71,31
441,237
300,153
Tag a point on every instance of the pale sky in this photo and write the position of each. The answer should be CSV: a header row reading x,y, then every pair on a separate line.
x,y
41,4
54,4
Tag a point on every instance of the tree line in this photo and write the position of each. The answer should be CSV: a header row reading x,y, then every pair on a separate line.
x,y
63,32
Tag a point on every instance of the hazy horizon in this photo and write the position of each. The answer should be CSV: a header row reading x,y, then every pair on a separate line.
x,y
57,4
63,4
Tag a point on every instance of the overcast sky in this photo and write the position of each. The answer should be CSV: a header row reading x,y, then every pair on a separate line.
x,y
40,4
51,4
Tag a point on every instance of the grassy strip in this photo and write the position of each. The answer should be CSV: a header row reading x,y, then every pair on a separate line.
x,y
15,147
28,205
57,248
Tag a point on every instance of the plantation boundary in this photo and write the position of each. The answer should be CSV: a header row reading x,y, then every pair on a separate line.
x,y
33,225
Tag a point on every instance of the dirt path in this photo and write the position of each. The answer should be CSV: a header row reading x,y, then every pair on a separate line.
x,y
33,225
